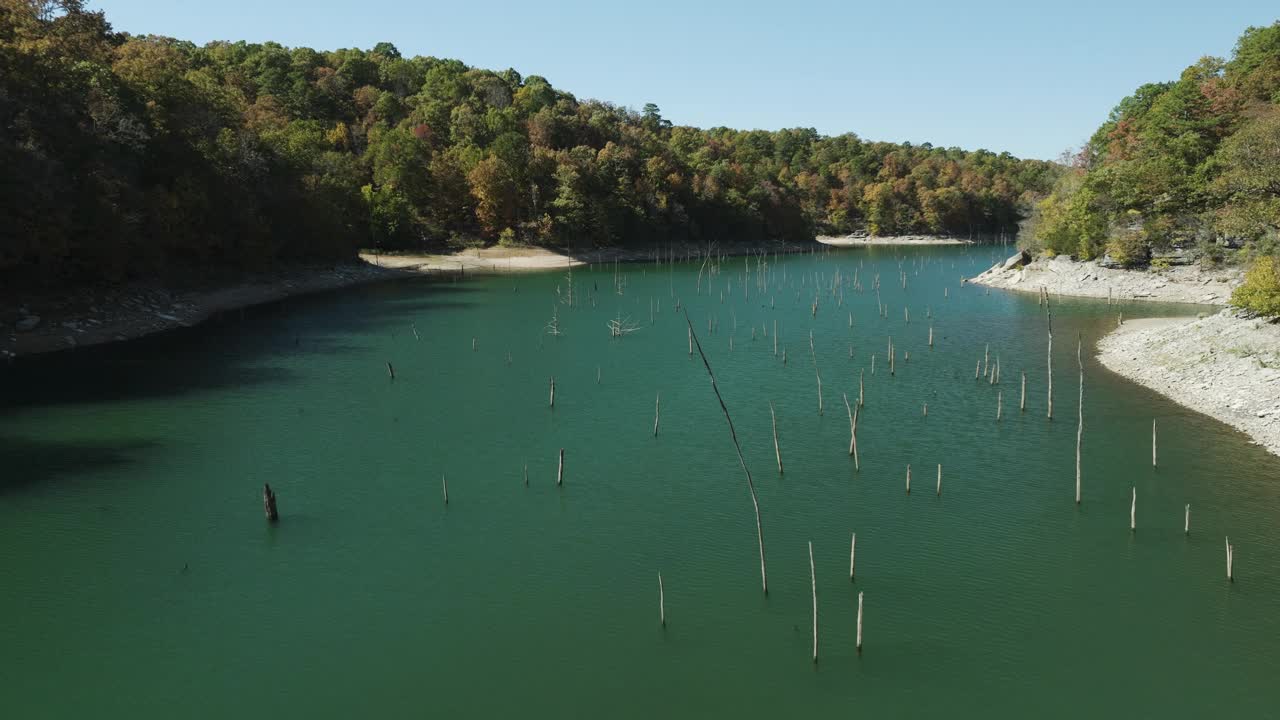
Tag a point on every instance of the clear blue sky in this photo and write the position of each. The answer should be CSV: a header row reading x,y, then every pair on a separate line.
x,y
1029,77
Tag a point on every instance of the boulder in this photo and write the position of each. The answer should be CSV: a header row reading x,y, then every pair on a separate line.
x,y
1019,259
27,324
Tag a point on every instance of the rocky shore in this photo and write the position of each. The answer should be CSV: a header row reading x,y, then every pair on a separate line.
x,y
1224,365
1063,276
40,323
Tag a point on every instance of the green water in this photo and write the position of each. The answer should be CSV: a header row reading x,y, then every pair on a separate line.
x,y
138,578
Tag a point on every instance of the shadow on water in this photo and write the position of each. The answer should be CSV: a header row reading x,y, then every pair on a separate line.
x,y
29,462
232,349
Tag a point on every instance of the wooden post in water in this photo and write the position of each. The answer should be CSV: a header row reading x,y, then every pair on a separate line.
x,y
853,547
813,583
930,336
1186,520
269,503
977,366
908,479
553,392
657,407
775,344
1231,551
662,602
777,452
391,371
560,470
1153,443
860,388
444,487
775,340
1022,405
1050,360
819,377
526,474
852,429
859,640
1133,510
1080,423
999,404
939,479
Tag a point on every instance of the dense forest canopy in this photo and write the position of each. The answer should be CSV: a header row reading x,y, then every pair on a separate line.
x,y
1195,161
134,155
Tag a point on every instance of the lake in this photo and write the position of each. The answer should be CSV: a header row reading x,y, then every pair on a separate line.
x,y
141,580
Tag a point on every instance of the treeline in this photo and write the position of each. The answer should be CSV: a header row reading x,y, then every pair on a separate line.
x,y
128,156
1191,162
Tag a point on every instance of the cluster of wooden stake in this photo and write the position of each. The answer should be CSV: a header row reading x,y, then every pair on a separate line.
x,y
760,279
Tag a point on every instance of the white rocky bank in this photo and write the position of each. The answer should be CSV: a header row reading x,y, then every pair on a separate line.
x,y
1063,276
1223,365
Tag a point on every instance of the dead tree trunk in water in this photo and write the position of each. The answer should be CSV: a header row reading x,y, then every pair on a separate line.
x,y
859,639
269,503
1153,443
777,452
662,602
1080,424
755,500
1049,320
853,546
813,583
657,409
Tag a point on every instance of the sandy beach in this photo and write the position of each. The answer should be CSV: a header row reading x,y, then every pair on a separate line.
x,y
41,323
498,259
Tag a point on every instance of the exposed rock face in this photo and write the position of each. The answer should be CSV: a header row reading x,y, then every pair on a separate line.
x,y
1022,257
1223,365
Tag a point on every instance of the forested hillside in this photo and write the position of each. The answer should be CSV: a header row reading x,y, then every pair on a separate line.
x,y
127,156
1195,161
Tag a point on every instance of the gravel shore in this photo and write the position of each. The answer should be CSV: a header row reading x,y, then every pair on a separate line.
x,y
1063,276
1224,365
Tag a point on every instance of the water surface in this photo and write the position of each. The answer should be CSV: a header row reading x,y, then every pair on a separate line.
x,y
140,579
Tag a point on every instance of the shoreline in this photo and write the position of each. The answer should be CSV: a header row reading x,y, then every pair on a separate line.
x,y
61,321
1063,276
1225,366
501,260
875,241
96,316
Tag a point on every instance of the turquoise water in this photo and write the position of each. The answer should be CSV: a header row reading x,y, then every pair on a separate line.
x,y
140,579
